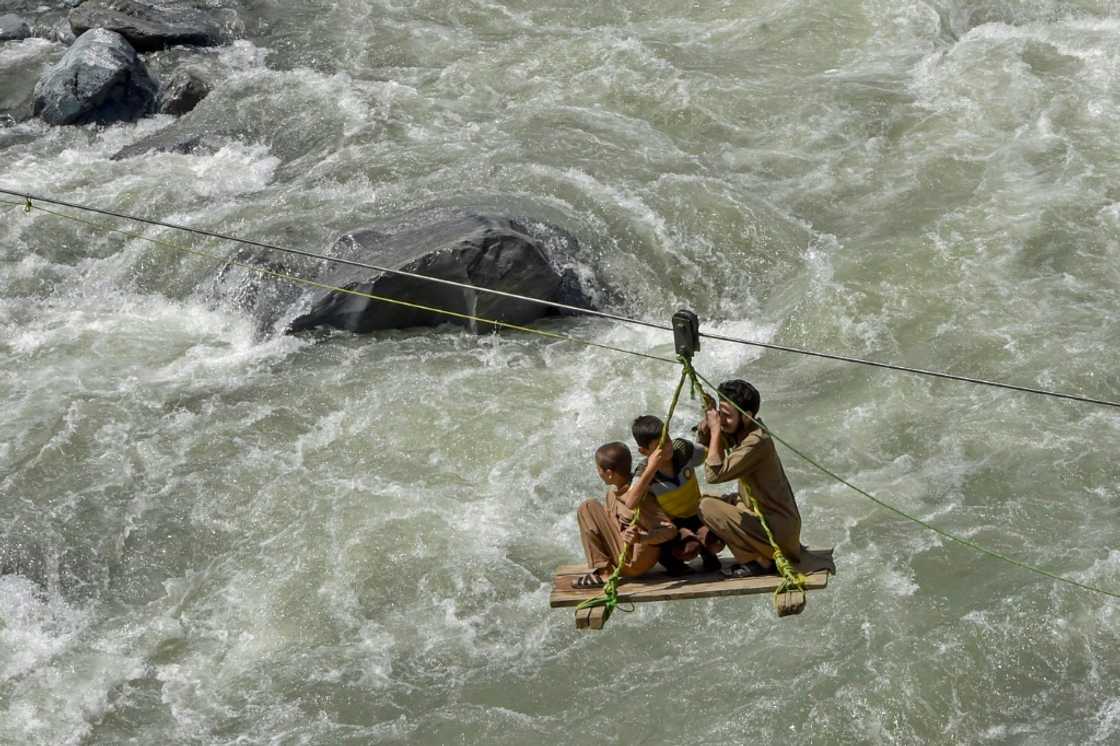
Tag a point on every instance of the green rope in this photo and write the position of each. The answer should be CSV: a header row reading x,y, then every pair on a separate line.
x,y
609,597
791,578
924,524
349,291
689,371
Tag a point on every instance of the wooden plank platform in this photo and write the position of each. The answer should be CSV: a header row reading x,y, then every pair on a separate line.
x,y
817,564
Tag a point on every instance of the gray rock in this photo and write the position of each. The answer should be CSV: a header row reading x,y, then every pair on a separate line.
x,y
61,32
52,24
99,79
13,27
184,143
149,27
488,251
182,93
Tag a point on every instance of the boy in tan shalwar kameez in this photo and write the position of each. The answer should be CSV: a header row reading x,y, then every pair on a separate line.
x,y
752,460
605,530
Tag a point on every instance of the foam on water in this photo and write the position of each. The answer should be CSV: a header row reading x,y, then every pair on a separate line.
x,y
233,536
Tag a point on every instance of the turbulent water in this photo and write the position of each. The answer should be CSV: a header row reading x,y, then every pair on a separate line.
x,y
229,537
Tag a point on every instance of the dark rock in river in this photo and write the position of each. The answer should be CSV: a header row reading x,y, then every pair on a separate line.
x,y
183,143
99,79
13,27
149,27
487,251
60,32
182,93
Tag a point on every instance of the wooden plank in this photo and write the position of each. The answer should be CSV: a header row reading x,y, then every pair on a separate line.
x,y
658,586
644,589
788,603
590,619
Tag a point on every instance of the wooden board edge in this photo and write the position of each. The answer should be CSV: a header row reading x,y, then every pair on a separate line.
x,y
712,588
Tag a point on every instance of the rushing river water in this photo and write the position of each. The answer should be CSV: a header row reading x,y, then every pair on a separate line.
x,y
230,537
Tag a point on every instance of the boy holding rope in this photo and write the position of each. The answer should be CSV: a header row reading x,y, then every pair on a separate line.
x,y
605,530
677,491
751,459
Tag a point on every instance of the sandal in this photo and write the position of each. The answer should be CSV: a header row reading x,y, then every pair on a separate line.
x,y
749,570
588,581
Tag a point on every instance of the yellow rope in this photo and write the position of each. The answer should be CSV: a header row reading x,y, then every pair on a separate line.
x,y
28,206
791,578
608,599
914,519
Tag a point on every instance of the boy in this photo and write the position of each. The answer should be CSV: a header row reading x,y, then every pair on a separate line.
x,y
604,531
752,460
677,492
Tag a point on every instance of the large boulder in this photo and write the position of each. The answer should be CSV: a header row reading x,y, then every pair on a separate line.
x,y
149,27
487,251
13,27
99,79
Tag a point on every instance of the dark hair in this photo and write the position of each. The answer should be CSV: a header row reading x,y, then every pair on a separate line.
x,y
647,430
614,456
741,393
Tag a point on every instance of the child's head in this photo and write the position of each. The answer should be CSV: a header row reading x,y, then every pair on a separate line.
x,y
614,463
647,431
745,396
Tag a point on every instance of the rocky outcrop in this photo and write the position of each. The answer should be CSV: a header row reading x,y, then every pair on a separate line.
x,y
147,27
13,27
182,93
486,251
99,79
59,31
182,143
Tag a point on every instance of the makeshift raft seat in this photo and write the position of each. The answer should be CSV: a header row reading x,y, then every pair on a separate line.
x,y
816,564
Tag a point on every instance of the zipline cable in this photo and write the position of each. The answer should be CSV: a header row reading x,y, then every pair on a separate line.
x,y
577,309
27,206
349,291
913,518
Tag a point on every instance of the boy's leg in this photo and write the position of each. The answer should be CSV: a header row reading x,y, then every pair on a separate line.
x,y
700,531
674,555
601,543
669,560
740,530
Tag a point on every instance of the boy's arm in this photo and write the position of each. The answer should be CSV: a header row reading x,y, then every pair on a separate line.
x,y
663,533
640,486
741,460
